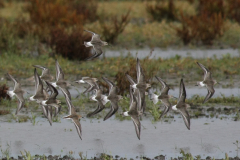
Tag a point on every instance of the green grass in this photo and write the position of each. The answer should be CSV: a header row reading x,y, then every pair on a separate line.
x,y
109,67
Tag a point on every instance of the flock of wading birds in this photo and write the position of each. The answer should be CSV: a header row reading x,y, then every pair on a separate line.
x,y
46,93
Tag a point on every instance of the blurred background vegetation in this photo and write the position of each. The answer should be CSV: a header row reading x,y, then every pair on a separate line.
x,y
38,31
35,27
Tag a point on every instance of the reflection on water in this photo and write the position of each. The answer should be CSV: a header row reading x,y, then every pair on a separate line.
x,y
207,137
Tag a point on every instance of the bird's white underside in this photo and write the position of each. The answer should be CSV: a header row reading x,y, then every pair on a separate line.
x,y
54,84
105,100
11,93
174,107
89,44
81,81
155,98
44,103
94,98
125,113
202,84
32,99
134,86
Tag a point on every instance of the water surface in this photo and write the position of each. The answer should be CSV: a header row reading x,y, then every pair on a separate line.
x,y
168,53
207,137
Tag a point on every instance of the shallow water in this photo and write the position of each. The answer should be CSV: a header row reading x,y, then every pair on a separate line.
x,y
119,138
168,53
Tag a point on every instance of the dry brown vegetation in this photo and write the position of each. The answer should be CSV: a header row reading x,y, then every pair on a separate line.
x,y
3,92
70,45
59,24
205,26
201,28
233,11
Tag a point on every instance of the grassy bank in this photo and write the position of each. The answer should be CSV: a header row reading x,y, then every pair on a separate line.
x,y
223,68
